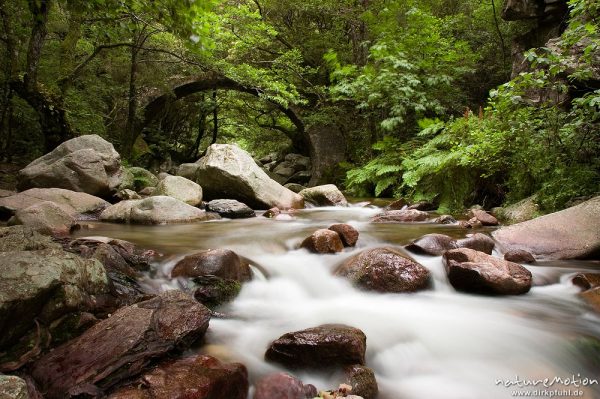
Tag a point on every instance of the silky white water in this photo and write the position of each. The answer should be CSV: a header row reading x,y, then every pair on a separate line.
x,y
433,344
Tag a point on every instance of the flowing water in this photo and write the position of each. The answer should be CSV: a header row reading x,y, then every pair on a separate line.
x,y
435,344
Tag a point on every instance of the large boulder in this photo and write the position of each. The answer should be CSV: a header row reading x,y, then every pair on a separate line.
x,y
22,238
325,195
45,285
473,271
572,233
88,164
45,218
180,188
194,377
401,216
188,170
384,270
227,171
120,347
281,386
231,209
142,178
322,347
222,263
154,210
73,203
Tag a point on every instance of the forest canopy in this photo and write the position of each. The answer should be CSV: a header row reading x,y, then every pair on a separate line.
x,y
454,102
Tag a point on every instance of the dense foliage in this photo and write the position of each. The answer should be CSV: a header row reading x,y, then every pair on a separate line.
x,y
420,90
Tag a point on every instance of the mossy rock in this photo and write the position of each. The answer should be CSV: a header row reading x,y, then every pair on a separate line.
x,y
213,291
142,178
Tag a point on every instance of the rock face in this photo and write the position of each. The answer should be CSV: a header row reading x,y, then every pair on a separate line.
x,y
280,386
71,202
326,195
222,263
13,387
227,171
154,210
323,241
384,270
195,377
401,216
321,347
46,285
87,164
472,271
121,346
180,188
569,234
21,238
45,218
231,209
347,233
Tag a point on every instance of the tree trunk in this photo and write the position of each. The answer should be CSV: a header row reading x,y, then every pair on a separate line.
x,y
215,118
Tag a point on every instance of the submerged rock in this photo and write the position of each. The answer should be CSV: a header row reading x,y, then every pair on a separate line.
x,y
321,347
384,270
222,263
194,377
227,171
231,209
154,210
326,195
401,216
180,188
45,285
347,233
121,346
572,233
323,241
282,386
473,271
87,164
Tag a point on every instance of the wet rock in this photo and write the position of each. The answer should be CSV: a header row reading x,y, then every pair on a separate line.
x,y
45,285
231,209
222,263
401,216
432,244
478,241
572,233
45,218
180,188
397,205
142,178
347,233
213,291
86,164
295,187
271,213
71,202
194,377
21,238
227,171
362,380
422,206
485,218
384,270
321,347
323,241
587,280
472,271
280,386
519,256
154,210
121,346
445,219
13,387
326,195
592,297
